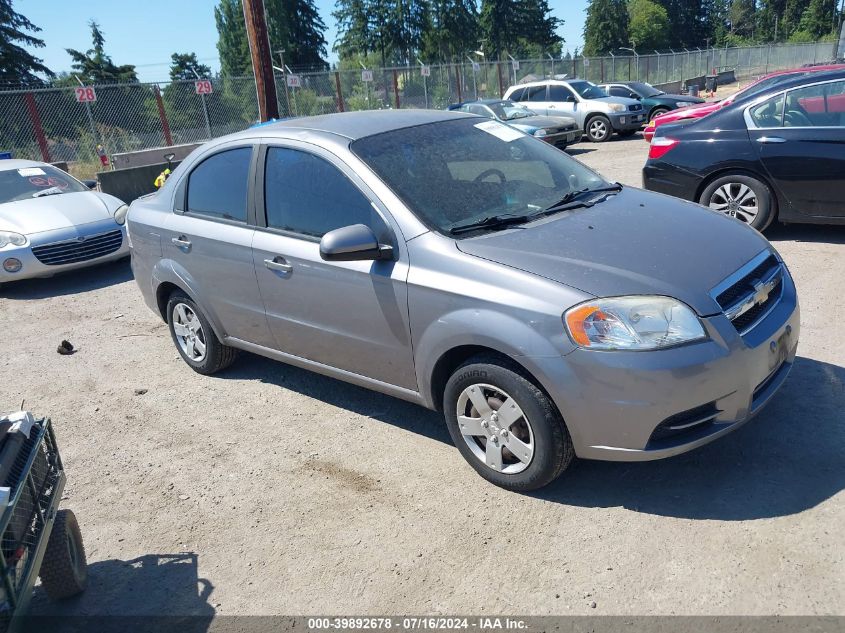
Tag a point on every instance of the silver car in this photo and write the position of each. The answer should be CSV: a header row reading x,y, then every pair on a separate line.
x,y
560,131
462,265
597,113
50,222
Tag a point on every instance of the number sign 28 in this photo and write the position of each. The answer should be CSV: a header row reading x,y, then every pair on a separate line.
x,y
85,94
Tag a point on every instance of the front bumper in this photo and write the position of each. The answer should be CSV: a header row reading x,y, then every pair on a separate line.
x,y
617,404
627,120
33,267
563,139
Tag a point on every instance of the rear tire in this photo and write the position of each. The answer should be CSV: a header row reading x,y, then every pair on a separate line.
x,y
194,338
64,571
598,128
743,197
492,407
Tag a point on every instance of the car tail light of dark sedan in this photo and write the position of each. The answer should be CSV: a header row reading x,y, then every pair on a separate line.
x,y
660,146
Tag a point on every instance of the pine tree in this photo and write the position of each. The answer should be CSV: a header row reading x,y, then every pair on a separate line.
x,y
354,28
454,29
232,43
689,20
95,66
17,65
817,19
184,65
648,26
296,27
606,27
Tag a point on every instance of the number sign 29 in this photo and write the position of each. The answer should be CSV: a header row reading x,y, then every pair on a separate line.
x,y
203,87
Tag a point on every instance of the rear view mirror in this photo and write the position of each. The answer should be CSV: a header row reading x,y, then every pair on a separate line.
x,y
353,243
91,184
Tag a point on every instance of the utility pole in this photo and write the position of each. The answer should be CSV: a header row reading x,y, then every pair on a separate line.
x,y
262,61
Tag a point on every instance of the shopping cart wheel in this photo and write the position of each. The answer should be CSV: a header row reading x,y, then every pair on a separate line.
x,y
64,572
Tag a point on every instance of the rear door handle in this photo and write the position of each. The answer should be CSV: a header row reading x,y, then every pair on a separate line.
x,y
182,242
771,139
279,264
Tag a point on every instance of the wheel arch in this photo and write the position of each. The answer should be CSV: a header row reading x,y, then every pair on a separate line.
x,y
169,278
741,171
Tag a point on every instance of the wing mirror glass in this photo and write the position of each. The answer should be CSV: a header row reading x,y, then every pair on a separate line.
x,y
91,184
353,243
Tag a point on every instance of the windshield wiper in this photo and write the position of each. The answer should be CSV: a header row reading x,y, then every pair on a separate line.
x,y
47,192
492,222
572,197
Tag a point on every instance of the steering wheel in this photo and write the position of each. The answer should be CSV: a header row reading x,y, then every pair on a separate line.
x,y
796,118
490,172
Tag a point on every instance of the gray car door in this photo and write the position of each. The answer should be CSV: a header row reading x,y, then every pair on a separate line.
x,y
209,239
348,315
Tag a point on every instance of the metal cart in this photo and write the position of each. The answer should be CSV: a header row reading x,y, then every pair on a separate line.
x,y
36,538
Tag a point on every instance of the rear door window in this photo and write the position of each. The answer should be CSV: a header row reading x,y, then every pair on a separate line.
x,y
822,105
218,186
517,94
536,94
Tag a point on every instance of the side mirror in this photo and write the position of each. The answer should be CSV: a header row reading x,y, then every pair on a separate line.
x,y
91,184
353,243
169,157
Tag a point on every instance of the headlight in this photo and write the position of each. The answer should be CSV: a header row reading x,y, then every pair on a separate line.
x,y
540,133
617,107
7,237
120,214
632,323
681,104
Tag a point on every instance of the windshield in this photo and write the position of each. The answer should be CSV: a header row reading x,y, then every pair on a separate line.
x,y
587,90
453,173
508,110
645,90
33,182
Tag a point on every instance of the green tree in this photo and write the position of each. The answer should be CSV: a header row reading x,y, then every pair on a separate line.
x,y
454,29
17,65
743,18
606,27
648,26
95,66
232,43
518,26
296,27
689,20
184,65
817,19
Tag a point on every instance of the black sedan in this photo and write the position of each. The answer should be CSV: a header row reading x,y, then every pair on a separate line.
x,y
779,155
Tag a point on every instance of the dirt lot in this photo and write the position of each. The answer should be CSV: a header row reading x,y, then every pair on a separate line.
x,y
270,490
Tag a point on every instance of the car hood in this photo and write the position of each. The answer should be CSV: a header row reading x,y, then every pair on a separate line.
x,y
635,242
623,100
680,98
543,122
48,213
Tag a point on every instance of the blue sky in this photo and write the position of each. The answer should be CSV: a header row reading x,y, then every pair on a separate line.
x,y
147,33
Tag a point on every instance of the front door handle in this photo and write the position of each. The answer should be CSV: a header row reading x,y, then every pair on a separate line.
x,y
182,242
279,265
771,139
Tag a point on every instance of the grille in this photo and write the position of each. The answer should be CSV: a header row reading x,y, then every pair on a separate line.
x,y
73,251
636,107
686,422
744,290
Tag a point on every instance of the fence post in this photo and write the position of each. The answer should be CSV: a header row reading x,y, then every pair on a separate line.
x,y
574,68
458,82
340,107
602,69
629,69
165,126
37,127
501,81
396,88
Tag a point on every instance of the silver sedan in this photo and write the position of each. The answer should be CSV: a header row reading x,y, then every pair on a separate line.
x,y
51,222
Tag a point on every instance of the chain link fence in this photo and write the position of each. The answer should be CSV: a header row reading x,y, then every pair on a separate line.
x,y
56,125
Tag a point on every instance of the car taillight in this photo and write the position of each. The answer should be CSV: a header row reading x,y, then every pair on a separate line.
x,y
660,146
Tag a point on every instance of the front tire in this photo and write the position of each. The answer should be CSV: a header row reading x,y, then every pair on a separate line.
x,y
742,197
505,426
598,128
64,571
657,112
196,342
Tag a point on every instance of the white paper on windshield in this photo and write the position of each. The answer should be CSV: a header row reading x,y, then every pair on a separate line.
x,y
26,172
500,131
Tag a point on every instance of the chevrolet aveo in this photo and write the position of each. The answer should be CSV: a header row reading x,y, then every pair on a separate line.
x,y
470,268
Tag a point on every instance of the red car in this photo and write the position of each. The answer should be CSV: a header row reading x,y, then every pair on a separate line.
x,y
698,111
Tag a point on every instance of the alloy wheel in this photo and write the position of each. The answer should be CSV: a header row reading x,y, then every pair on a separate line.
x,y
495,428
189,332
737,200
598,129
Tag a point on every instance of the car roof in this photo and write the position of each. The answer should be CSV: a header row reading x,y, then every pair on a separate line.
x,y
545,82
801,80
20,163
355,125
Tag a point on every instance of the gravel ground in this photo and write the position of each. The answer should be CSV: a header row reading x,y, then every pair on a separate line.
x,y
271,490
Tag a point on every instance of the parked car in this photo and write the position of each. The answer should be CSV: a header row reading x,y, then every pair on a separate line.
x,y
559,131
598,114
462,265
756,87
777,156
655,102
51,222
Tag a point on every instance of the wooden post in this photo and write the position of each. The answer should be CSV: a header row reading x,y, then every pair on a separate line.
x,y
262,62
37,127
501,80
165,126
396,88
340,106
458,82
